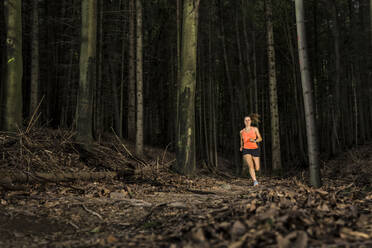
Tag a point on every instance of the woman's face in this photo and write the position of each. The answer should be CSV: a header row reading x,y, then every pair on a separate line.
x,y
247,120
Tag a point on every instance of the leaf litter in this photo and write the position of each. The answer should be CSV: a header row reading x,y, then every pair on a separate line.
x,y
154,207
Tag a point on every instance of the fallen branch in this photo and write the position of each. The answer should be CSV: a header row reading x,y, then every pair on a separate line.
x,y
22,177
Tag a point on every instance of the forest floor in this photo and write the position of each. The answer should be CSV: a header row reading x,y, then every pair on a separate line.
x,y
154,207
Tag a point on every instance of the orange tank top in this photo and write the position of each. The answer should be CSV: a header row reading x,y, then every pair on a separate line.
x,y
246,136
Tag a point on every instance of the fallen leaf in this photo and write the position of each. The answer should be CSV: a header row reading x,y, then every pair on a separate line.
x,y
302,239
111,239
347,233
198,235
177,205
96,229
118,195
324,207
226,186
237,229
322,192
282,242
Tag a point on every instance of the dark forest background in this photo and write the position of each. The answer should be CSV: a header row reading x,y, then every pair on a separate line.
x,y
232,72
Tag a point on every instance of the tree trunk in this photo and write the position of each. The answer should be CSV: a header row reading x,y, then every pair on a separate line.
x,y
132,75
212,131
275,141
244,85
254,72
312,136
139,88
98,127
34,96
122,68
121,109
235,131
185,148
355,105
370,65
178,77
370,21
12,89
335,140
84,121
114,89
251,69
299,109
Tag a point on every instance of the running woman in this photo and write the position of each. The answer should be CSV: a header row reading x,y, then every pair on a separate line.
x,y
249,137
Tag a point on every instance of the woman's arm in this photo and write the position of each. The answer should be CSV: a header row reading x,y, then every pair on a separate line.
x,y
259,138
241,141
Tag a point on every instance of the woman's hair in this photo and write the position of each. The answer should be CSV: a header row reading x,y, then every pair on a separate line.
x,y
255,118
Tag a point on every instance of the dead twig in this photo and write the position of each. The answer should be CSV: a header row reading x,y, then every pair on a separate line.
x,y
74,225
165,151
91,212
129,153
32,122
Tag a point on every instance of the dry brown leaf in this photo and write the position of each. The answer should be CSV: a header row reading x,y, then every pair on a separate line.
x,y
111,239
270,213
324,207
347,233
237,229
119,195
224,225
282,242
198,235
321,192
50,204
302,240
253,206
240,242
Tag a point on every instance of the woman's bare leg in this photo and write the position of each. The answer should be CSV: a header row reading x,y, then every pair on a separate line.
x,y
257,163
248,159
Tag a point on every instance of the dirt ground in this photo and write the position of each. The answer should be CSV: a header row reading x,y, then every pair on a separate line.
x,y
157,208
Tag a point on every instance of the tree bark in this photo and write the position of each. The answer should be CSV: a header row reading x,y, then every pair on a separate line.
x,y
244,85
12,89
121,109
185,148
251,65
370,22
114,89
132,74
84,121
312,136
275,140
99,115
139,88
299,145
178,76
34,96
212,129
235,131
335,140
